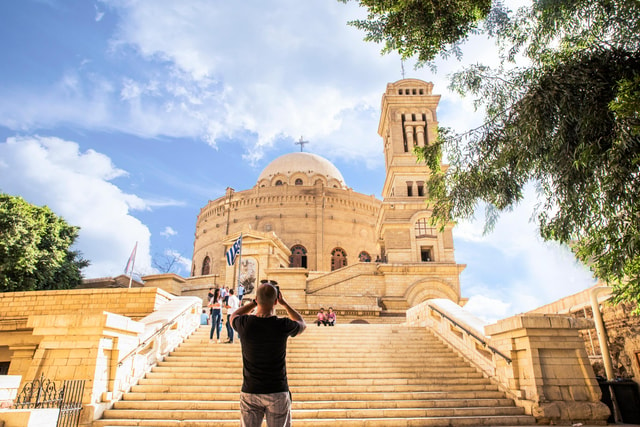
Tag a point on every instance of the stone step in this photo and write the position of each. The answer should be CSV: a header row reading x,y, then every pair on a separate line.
x,y
321,396
390,388
335,382
234,404
301,375
344,422
328,414
316,367
435,359
376,375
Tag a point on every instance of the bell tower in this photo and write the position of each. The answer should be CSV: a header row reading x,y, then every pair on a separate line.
x,y
408,120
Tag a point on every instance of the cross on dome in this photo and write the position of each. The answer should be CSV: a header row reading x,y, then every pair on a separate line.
x,y
301,143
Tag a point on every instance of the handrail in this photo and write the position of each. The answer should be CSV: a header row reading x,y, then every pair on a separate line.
x,y
146,341
151,337
476,337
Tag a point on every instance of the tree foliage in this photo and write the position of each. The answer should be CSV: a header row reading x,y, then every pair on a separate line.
x,y
422,28
34,248
568,121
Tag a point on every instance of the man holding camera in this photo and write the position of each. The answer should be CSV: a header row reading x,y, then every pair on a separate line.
x,y
265,389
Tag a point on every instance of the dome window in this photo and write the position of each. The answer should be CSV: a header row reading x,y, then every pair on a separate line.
x,y
299,181
278,182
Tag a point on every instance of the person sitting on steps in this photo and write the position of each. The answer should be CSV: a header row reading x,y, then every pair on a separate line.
x,y
322,318
331,317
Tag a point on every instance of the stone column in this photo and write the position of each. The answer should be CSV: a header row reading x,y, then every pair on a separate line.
x,y
420,136
550,374
408,131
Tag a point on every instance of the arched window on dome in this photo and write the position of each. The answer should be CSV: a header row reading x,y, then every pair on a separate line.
x,y
206,266
298,258
278,182
364,256
299,181
338,258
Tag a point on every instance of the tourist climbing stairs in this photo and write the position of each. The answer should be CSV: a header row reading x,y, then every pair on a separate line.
x,y
347,375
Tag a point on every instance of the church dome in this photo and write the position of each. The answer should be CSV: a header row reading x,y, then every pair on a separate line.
x,y
290,165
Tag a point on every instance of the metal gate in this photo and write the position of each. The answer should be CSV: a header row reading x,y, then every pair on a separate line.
x,y
71,403
42,393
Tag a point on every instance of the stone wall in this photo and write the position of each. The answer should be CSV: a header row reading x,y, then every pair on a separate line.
x,y
135,302
623,330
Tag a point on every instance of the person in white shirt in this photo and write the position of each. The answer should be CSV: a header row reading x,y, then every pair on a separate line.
x,y
232,305
240,291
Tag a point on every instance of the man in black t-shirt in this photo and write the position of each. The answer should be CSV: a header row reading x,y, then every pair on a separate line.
x,y
265,390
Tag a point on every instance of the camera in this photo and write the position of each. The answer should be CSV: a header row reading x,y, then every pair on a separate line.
x,y
278,291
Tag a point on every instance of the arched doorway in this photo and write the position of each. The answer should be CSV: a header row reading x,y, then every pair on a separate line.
x,y
206,266
338,258
298,258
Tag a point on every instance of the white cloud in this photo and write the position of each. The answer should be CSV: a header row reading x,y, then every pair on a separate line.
x,y
185,263
75,185
168,232
214,70
513,265
488,309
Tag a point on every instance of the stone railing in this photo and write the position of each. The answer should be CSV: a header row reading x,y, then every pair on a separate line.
x,y
538,360
340,275
125,359
461,330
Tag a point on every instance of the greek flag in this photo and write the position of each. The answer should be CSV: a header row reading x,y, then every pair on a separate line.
x,y
233,252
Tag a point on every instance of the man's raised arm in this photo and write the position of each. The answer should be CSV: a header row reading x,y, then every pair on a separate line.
x,y
292,313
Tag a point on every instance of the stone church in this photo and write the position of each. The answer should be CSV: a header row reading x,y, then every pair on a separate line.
x,y
142,356
327,244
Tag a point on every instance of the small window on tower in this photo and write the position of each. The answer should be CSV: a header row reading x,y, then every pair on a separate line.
x,y
409,189
420,189
278,182
426,254
298,181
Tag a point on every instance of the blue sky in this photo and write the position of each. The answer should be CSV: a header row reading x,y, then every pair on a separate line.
x,y
126,117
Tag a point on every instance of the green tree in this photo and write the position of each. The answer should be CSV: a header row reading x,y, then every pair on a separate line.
x,y
422,28
34,248
568,121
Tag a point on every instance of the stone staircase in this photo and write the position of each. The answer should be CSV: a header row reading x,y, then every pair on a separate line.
x,y
347,375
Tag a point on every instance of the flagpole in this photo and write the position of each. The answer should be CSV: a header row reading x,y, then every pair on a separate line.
x,y
239,259
133,263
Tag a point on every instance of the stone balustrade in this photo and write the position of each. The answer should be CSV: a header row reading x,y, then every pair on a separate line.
x,y
110,346
539,360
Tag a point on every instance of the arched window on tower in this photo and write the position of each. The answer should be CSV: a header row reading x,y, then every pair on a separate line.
x,y
364,256
206,266
278,182
299,181
338,258
298,258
